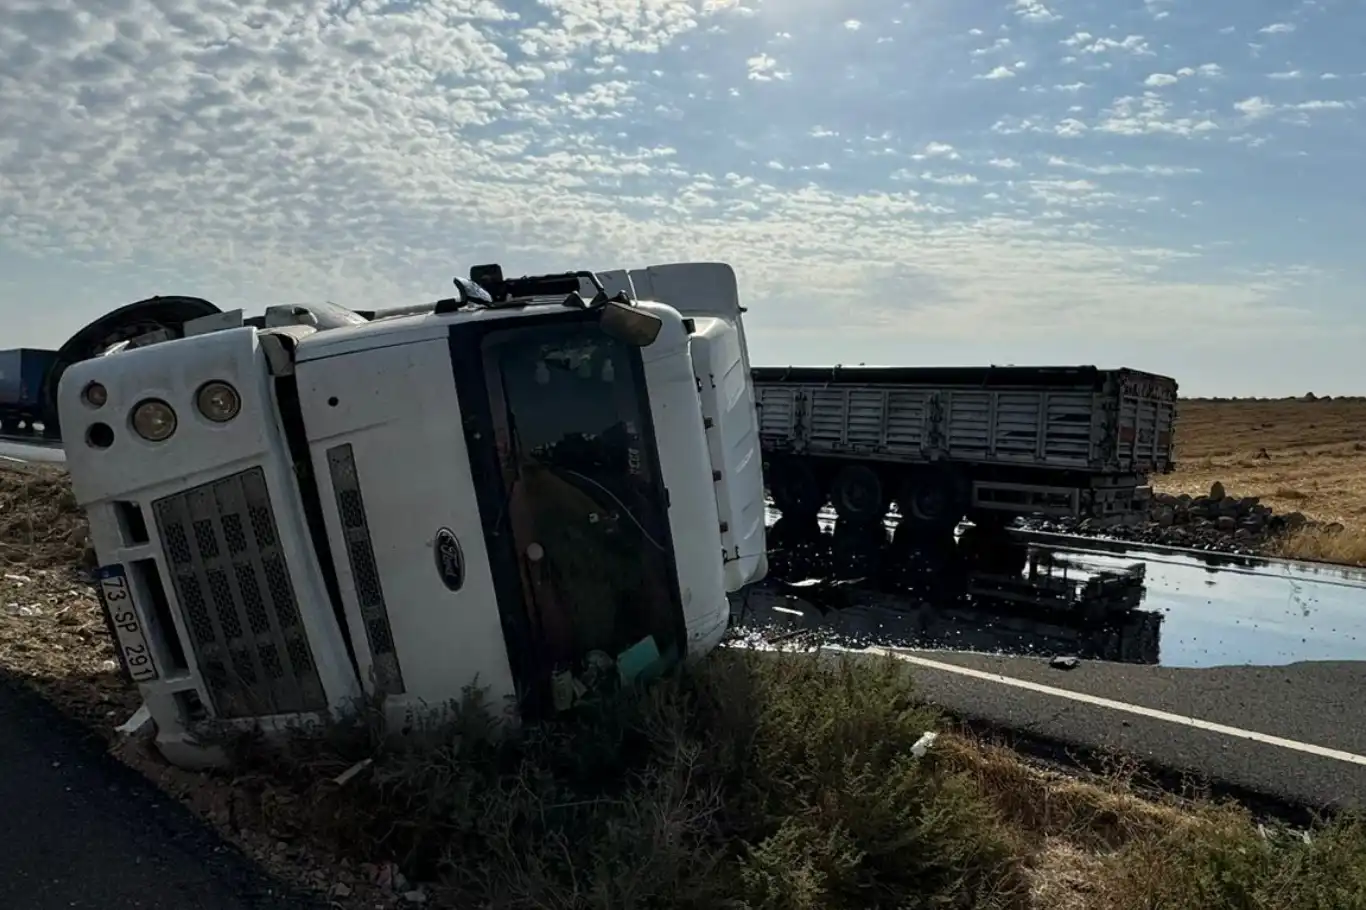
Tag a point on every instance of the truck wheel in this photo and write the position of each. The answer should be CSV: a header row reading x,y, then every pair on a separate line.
x,y
935,499
170,313
857,494
796,492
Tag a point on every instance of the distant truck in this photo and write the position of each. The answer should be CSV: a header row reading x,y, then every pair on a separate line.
x,y
23,408
943,443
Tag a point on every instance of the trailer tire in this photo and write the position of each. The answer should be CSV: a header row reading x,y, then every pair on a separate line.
x,y
857,494
934,499
796,491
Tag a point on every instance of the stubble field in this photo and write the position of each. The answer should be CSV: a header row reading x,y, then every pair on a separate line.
x,y
1296,455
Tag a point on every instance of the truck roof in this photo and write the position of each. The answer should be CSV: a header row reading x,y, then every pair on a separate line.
x,y
411,326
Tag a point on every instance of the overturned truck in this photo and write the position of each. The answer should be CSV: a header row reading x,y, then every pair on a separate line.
x,y
941,444
537,487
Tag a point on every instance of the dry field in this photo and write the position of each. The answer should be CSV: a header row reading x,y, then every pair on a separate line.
x,y
1298,455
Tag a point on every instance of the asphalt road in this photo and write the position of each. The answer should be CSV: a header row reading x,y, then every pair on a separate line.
x,y
84,831
1318,704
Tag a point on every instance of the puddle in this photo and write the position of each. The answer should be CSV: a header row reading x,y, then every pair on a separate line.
x,y
1168,608
1225,616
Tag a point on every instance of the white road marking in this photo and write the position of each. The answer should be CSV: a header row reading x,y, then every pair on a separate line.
x,y
1125,707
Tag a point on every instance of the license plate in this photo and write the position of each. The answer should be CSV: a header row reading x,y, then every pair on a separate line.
x,y
132,643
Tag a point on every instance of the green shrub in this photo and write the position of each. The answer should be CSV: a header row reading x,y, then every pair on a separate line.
x,y
753,781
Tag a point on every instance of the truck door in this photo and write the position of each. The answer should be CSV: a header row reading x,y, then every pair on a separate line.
x,y
397,496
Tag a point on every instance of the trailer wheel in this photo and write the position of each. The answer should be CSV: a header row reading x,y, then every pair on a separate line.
x,y
857,494
796,491
935,499
170,313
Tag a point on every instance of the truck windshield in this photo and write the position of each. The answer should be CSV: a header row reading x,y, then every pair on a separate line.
x,y
584,502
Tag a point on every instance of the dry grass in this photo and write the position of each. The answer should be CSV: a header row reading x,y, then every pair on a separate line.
x,y
40,523
1346,547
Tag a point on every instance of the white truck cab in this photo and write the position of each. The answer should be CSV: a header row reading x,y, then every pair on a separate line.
x,y
525,489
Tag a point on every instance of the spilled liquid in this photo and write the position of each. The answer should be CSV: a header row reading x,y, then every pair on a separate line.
x,y
1165,608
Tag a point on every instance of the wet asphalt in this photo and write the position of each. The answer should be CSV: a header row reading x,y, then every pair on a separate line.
x,y
82,830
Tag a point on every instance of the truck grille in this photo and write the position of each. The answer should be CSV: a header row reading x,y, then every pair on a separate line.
x,y
229,574
341,463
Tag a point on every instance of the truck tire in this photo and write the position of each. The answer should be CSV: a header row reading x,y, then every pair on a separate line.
x,y
796,491
170,313
934,499
857,494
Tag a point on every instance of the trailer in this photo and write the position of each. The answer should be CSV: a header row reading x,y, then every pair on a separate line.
x,y
943,443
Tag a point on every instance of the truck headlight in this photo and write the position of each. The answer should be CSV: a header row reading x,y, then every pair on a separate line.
x,y
154,420
218,401
95,395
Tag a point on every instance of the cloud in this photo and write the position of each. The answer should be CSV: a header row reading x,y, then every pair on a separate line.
x,y
1207,70
1035,11
1277,28
1289,74
998,45
1087,43
1070,128
1149,114
949,179
1254,108
763,68
1259,108
852,25
366,151
938,150
1155,170
1000,72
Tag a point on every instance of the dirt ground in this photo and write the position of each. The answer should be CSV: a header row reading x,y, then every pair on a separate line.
x,y
1297,455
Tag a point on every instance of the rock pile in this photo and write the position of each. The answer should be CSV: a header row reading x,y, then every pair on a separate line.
x,y
1217,513
1214,521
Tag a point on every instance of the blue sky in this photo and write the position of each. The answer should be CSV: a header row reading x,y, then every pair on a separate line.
x,y
1163,184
